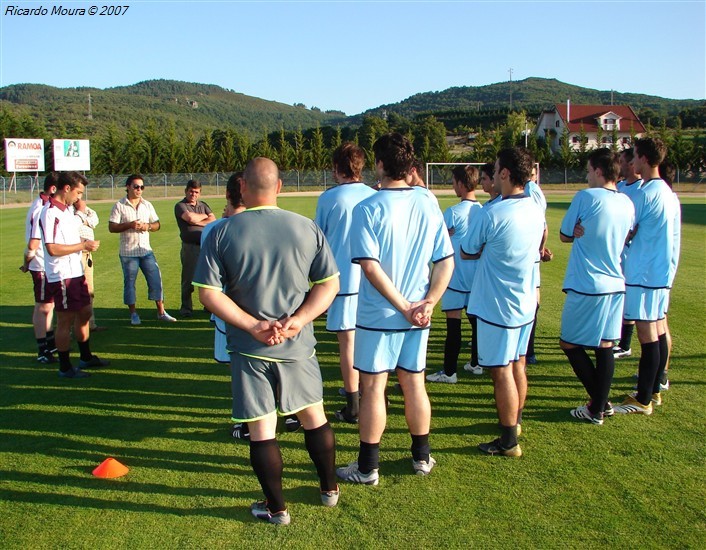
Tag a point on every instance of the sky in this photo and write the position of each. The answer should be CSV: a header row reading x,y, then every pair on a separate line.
x,y
356,55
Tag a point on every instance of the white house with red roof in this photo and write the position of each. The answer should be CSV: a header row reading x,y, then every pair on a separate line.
x,y
601,124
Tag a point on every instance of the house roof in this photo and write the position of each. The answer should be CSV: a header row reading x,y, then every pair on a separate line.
x,y
588,116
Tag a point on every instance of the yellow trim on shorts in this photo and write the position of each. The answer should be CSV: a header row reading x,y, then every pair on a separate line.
x,y
201,285
326,279
272,359
280,413
253,419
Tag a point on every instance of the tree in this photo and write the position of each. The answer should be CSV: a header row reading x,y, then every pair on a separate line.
x,y
317,151
284,151
681,150
243,147
153,148
336,140
134,152
566,152
583,146
109,156
263,148
299,161
191,154
226,151
207,152
173,151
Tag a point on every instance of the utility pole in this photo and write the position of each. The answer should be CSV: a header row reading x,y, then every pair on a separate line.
x,y
510,71
90,111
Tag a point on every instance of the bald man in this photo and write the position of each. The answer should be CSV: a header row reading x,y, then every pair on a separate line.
x,y
264,260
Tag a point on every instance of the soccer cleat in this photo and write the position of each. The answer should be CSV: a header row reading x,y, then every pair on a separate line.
x,y
608,410
531,360
632,406
135,319
354,475
344,416
73,372
665,386
45,357
330,498
473,369
441,376
93,363
260,511
240,431
495,447
620,353
583,413
423,467
292,424
656,399
166,318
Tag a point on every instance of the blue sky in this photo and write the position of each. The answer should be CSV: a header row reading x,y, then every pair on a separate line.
x,y
353,56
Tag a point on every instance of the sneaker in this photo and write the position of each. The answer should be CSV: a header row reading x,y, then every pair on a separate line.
x,y
330,498
620,353
260,511
45,357
240,431
632,405
583,413
354,475
496,448
135,319
166,318
292,424
344,416
656,399
608,410
94,363
531,360
665,386
423,467
473,369
74,372
441,376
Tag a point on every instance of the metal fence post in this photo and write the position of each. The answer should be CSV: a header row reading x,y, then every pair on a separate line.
x,y
3,189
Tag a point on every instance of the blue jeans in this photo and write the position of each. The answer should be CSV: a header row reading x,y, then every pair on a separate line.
x,y
149,267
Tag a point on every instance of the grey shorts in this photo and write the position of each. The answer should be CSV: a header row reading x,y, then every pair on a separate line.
x,y
263,387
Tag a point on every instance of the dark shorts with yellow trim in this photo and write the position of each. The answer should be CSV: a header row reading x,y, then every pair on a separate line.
x,y
262,387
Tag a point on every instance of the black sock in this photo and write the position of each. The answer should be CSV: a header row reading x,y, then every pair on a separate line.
x,y
84,349
663,358
420,447
474,339
266,461
605,367
321,444
64,361
42,345
452,347
647,371
530,345
584,369
626,336
368,457
51,344
508,436
353,403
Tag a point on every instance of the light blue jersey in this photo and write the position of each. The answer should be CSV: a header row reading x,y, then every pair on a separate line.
x,y
507,237
676,243
533,190
594,263
334,215
628,189
493,202
650,256
404,231
457,219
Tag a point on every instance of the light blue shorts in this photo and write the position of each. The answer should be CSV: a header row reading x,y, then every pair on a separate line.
x,y
453,299
499,346
378,351
645,304
341,313
587,320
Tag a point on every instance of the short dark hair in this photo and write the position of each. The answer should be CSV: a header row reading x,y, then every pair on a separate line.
x,y
652,149
51,180
193,184
518,163
466,176
72,179
235,198
488,169
134,177
607,161
349,160
668,172
396,153
629,153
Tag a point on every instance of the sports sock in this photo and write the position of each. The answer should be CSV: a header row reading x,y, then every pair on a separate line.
x,y
647,371
663,358
42,345
530,344
84,349
266,461
368,457
353,403
452,347
584,369
665,377
51,344
626,336
420,447
474,339
321,445
605,367
64,361
508,436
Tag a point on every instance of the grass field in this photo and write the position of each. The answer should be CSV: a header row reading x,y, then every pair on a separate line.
x,y
163,406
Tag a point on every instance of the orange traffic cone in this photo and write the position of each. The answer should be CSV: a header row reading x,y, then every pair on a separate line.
x,y
110,468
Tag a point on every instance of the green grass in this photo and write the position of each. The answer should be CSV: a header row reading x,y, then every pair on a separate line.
x,y
162,409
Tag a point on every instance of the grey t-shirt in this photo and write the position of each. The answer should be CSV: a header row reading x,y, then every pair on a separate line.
x,y
264,259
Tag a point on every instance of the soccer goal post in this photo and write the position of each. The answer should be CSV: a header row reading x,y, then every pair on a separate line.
x,y
438,174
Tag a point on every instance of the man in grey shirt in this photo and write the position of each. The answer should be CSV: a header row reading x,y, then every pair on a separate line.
x,y
254,272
